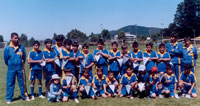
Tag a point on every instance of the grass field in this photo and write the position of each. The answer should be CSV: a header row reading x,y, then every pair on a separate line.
x,y
90,102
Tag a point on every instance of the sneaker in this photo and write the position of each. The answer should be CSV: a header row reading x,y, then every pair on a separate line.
x,y
131,97
187,96
160,96
183,95
176,96
41,96
32,98
76,100
57,100
27,99
8,102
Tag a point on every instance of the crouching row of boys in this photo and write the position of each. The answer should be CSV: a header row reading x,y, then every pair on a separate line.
x,y
145,85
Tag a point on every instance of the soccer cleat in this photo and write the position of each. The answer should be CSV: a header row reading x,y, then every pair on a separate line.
x,y
176,96
131,97
187,96
8,102
41,96
76,100
160,96
27,99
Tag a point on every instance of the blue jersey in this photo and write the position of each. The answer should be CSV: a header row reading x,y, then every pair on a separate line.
x,y
99,82
64,80
58,51
110,81
162,65
102,60
143,77
84,81
127,80
35,55
172,79
150,64
191,78
70,64
124,66
49,54
113,64
13,57
190,55
137,54
175,51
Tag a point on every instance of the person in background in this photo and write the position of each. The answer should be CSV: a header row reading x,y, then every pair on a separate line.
x,y
75,46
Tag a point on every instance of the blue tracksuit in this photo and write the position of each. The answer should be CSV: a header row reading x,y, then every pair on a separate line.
x,y
13,57
58,51
190,56
162,65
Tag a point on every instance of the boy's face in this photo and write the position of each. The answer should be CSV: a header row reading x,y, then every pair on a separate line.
x,y
129,71
75,48
173,39
48,45
99,73
68,47
187,42
169,71
124,51
68,72
15,39
100,46
59,43
56,81
142,72
148,48
110,76
85,50
187,71
36,47
85,74
114,47
154,72
162,49
135,48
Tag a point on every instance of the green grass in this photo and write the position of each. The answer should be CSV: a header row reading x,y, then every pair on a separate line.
x,y
99,102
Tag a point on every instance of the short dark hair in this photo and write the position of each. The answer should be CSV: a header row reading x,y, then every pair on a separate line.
x,y
85,45
60,38
149,44
14,34
101,42
124,46
99,69
187,38
67,42
47,41
188,66
67,70
169,66
135,44
110,72
36,42
75,44
129,66
162,45
85,70
174,34
114,43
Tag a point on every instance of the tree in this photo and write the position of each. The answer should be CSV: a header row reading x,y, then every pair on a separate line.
x,y
93,37
30,42
121,36
23,40
105,34
1,38
78,35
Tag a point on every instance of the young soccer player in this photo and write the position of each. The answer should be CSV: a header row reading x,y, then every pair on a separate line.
x,y
35,58
86,60
136,56
125,53
151,54
111,81
86,80
75,46
69,86
55,90
190,54
99,83
170,82
155,83
102,62
114,54
68,56
188,82
49,56
163,59
58,49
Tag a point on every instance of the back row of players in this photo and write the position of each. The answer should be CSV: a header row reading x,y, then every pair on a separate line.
x,y
61,58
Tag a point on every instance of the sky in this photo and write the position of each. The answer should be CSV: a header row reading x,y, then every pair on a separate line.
x,y
41,18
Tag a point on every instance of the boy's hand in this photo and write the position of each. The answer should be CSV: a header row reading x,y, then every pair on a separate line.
x,y
150,59
80,57
89,84
41,61
189,84
189,92
94,87
59,93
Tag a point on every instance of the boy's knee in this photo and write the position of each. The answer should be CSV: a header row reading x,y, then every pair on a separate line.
x,y
194,95
81,89
153,95
65,99
167,92
180,85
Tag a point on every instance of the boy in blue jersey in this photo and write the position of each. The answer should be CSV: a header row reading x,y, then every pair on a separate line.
x,y
75,46
163,59
49,56
125,53
175,48
86,60
58,49
68,55
136,56
188,82
86,80
110,80
190,54
129,78
102,62
170,82
99,83
69,86
35,58
14,58
151,54
114,54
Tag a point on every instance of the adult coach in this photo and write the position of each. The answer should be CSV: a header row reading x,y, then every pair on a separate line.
x,y
14,57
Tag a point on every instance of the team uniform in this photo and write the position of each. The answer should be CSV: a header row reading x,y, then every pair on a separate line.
x,y
190,56
175,51
191,78
150,64
102,62
35,69
154,88
126,80
143,77
124,66
15,58
58,51
76,65
114,64
139,55
89,59
53,92
99,84
84,81
171,85
162,65
108,81
50,67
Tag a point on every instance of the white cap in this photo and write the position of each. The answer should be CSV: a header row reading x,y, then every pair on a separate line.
x,y
142,68
55,76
